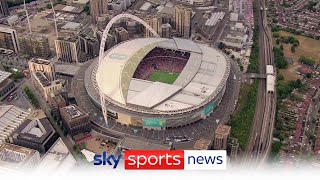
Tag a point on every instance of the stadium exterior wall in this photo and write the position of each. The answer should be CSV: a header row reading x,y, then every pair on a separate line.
x,y
149,121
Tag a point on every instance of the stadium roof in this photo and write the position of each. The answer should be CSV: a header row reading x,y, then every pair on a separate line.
x,y
202,78
148,98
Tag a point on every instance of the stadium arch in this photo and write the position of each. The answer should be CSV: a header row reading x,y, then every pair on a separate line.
x,y
102,47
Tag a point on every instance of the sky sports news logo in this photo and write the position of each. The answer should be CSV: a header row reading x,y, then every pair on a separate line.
x,y
166,160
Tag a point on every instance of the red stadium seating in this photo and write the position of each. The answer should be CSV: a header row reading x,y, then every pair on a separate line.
x,y
162,60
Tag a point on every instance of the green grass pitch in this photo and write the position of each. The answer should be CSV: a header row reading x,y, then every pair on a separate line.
x,y
164,77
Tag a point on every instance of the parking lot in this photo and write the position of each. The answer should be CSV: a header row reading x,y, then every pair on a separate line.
x,y
99,145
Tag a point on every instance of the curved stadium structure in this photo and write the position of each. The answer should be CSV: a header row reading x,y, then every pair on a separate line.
x,y
158,83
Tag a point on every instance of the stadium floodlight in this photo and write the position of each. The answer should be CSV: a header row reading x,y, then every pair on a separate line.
x,y
25,9
54,19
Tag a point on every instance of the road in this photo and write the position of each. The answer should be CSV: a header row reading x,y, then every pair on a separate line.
x,y
262,129
44,106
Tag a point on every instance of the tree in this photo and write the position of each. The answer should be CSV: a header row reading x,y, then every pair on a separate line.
x,y
241,68
309,75
65,132
49,6
307,61
275,34
280,77
275,28
87,8
279,58
278,41
281,47
221,45
275,20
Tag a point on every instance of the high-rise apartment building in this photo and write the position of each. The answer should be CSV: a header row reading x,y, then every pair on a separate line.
x,y
121,35
233,148
44,86
44,66
98,7
36,132
75,119
6,84
4,9
89,43
182,16
166,30
221,137
68,49
155,23
9,39
34,45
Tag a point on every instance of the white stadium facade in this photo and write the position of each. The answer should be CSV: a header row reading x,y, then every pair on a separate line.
x,y
120,81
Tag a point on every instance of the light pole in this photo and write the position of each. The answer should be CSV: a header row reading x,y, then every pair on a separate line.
x,y
54,19
25,8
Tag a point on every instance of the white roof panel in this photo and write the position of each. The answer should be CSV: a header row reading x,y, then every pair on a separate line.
x,y
139,85
110,71
187,45
170,105
154,94
205,73
187,98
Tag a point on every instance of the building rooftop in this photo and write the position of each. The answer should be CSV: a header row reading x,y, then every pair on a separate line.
x,y
223,130
34,36
80,1
71,26
41,61
69,9
37,129
11,117
6,30
68,38
58,158
73,112
4,75
13,156
43,79
202,144
67,69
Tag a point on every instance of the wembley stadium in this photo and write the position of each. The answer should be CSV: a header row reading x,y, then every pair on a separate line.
x,y
158,83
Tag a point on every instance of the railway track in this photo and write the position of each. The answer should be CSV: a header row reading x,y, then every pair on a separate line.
x,y
261,133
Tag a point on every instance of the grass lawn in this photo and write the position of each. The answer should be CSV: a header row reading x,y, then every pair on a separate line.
x,y
164,77
308,47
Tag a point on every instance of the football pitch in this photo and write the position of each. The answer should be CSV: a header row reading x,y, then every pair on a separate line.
x,y
164,77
